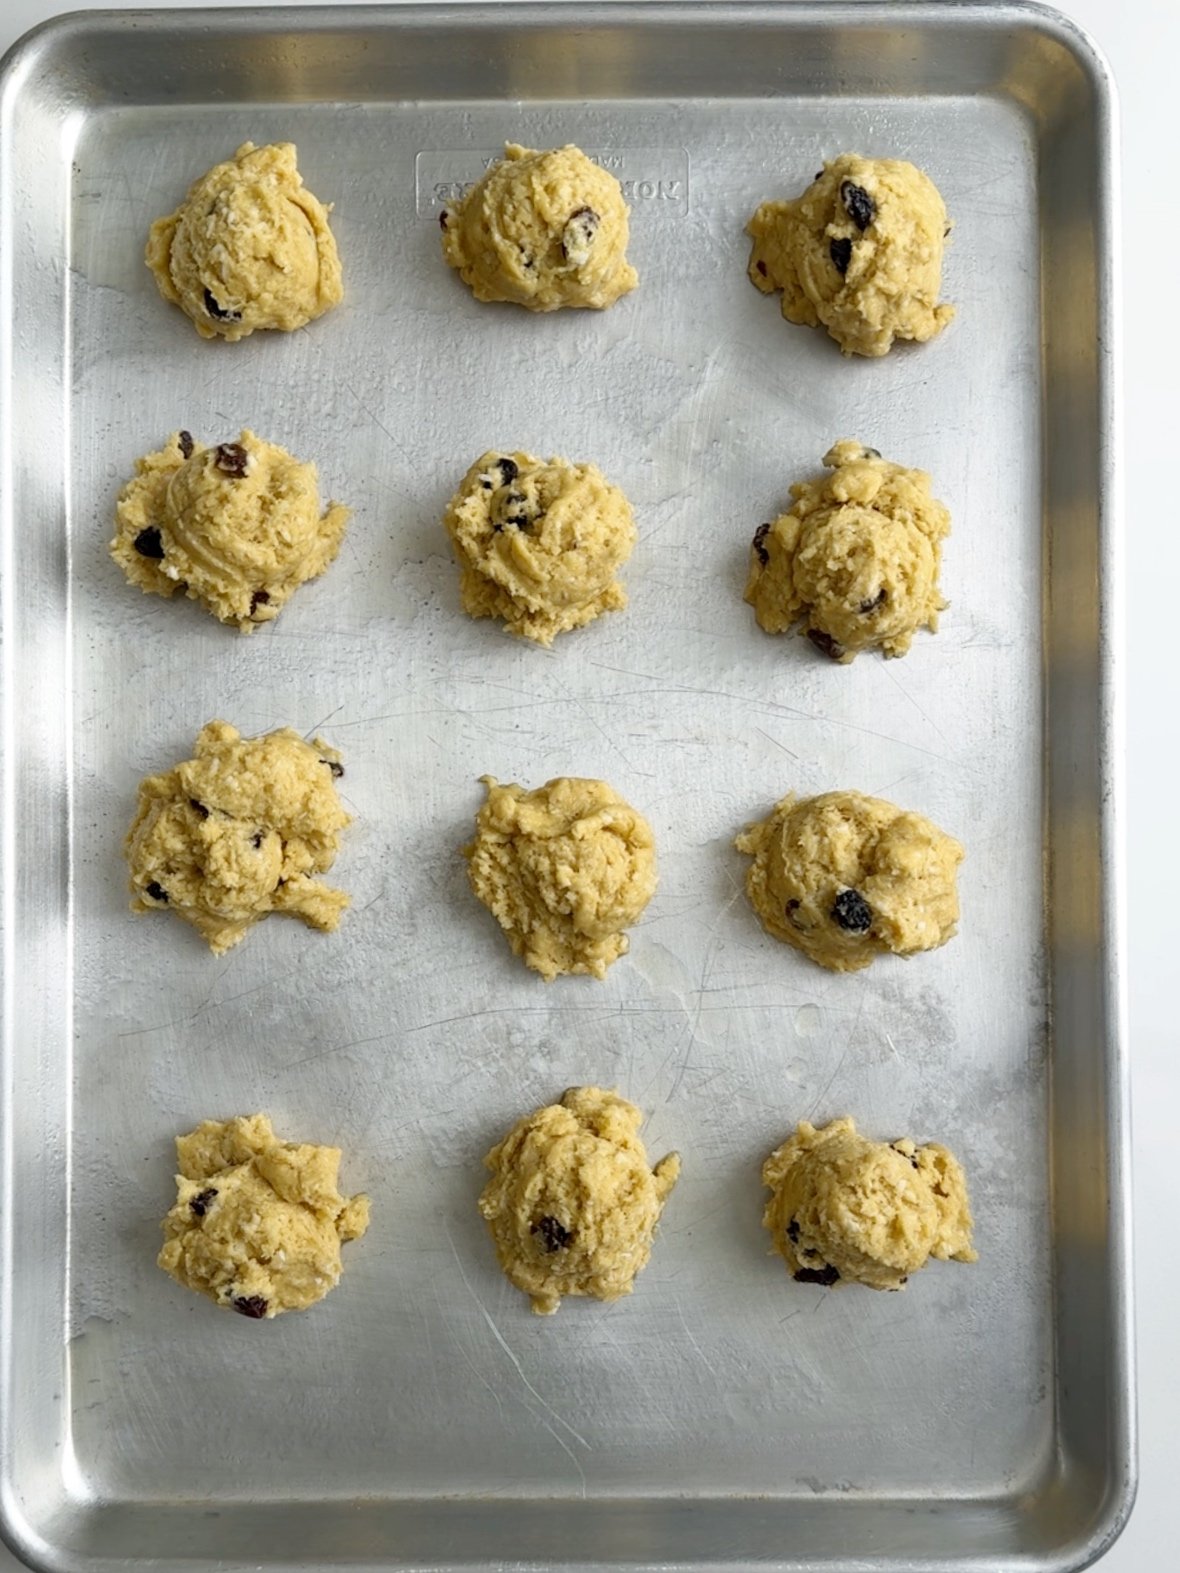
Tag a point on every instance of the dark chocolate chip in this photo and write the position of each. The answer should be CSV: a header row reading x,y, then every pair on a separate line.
x,y
760,535
200,1203
830,647
184,441
852,912
509,470
914,1160
840,251
220,313
334,766
580,227
761,266
859,206
554,1234
793,1231
874,604
157,891
256,840
517,512
259,598
198,808
252,1305
232,459
148,543
904,1280
827,1276
442,218
870,453
820,176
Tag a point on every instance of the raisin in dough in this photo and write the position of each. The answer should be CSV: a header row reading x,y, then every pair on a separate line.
x,y
844,1209
237,527
860,252
238,831
572,1204
845,878
539,544
855,559
564,870
248,248
258,1222
543,230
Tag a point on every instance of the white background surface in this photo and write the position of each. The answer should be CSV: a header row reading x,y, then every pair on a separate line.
x,y
1142,40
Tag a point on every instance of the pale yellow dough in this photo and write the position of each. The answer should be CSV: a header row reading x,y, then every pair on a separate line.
x,y
539,543
564,870
236,526
855,559
844,1209
845,878
885,221
258,1222
543,230
238,831
572,1204
248,248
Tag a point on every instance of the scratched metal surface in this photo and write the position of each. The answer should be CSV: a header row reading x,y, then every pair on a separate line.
x,y
413,1038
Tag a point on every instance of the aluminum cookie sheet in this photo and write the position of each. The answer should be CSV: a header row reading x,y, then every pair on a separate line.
x,y
723,1416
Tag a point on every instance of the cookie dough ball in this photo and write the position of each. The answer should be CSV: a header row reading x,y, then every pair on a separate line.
x,y
237,527
844,1209
572,1204
855,559
860,252
845,878
238,831
258,1222
248,248
539,544
564,870
544,230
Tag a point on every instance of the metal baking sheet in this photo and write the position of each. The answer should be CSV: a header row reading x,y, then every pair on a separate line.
x,y
723,1417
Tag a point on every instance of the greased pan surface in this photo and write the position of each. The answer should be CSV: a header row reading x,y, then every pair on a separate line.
x,y
421,1417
